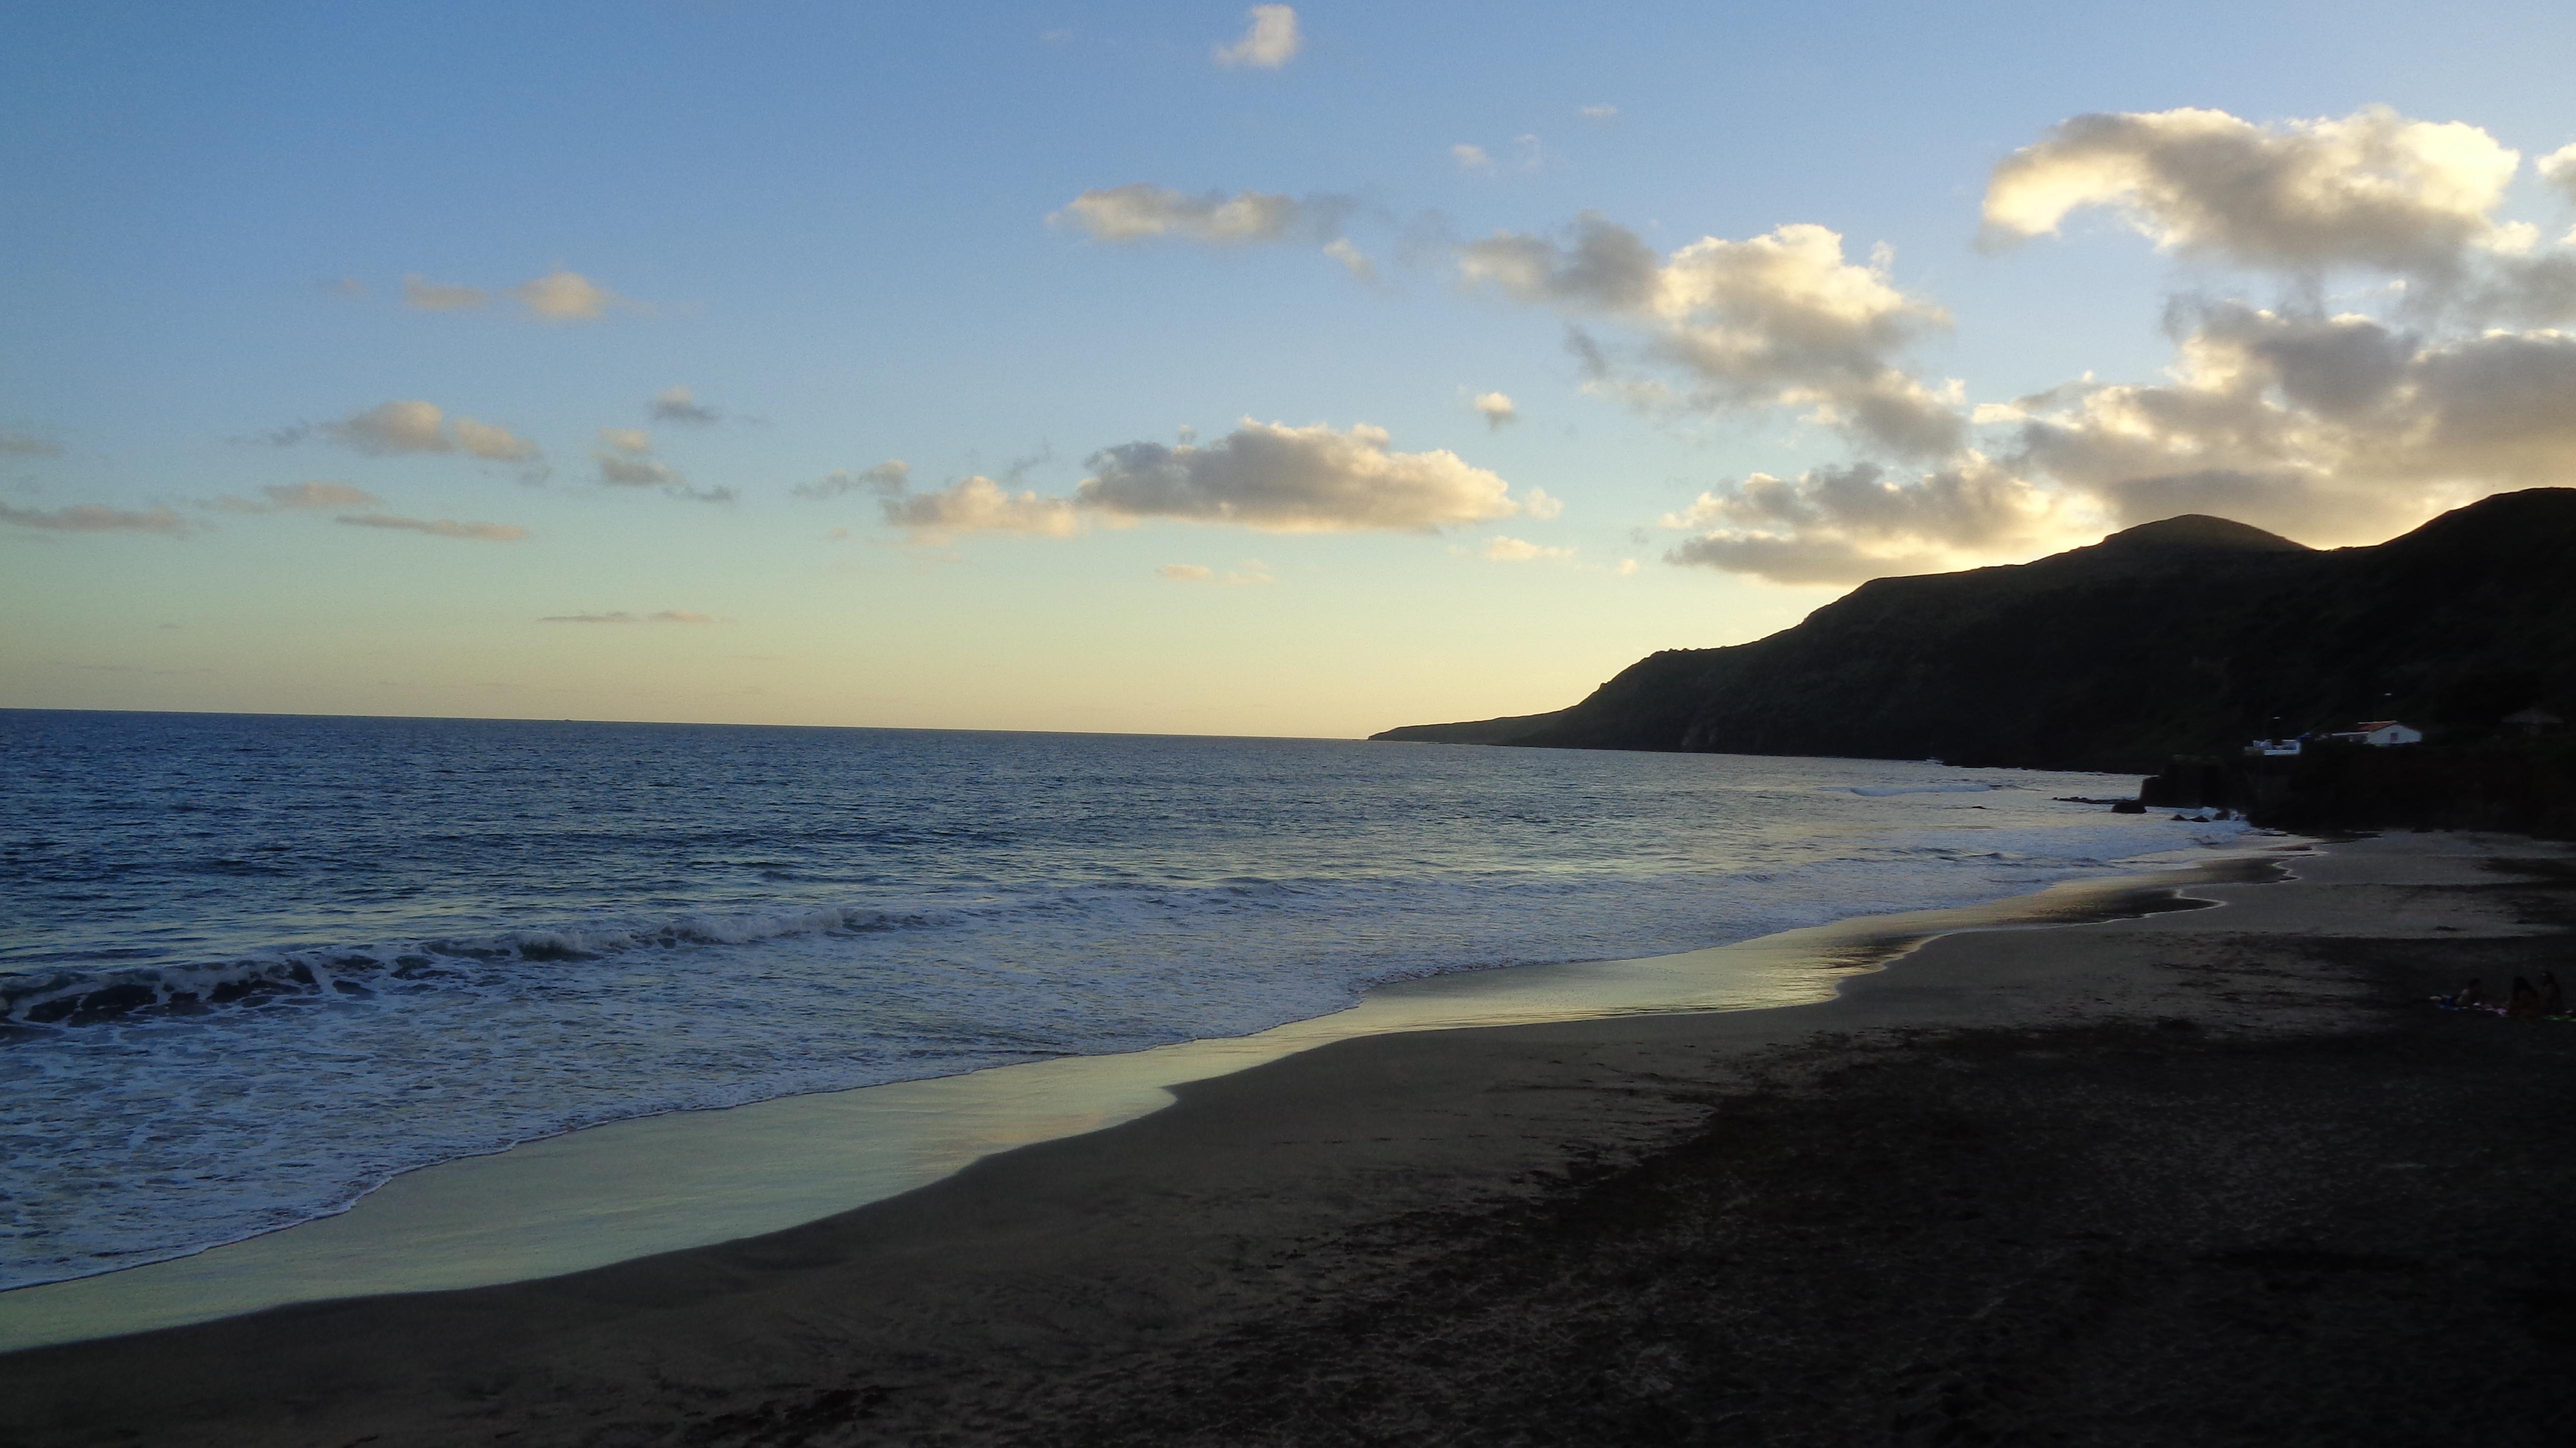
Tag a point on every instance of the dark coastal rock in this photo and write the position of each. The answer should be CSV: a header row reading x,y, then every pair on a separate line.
x,y
2187,636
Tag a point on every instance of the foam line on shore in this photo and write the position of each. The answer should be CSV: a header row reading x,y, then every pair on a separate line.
x,y
660,1184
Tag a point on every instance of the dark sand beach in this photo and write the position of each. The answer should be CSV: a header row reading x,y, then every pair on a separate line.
x,y
2207,1176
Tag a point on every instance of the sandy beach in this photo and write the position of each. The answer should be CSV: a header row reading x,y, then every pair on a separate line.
x,y
2205,1175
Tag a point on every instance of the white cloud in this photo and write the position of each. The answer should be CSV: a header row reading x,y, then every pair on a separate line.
x,y
1471,158
1358,265
1627,568
889,479
1538,504
1276,478
1187,572
1496,408
421,293
1517,550
1269,42
567,296
2370,189
392,429
437,527
1142,211
1781,319
979,505
1599,113
96,518
679,404
668,615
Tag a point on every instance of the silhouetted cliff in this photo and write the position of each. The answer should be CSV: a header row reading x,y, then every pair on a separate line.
x,y
2189,635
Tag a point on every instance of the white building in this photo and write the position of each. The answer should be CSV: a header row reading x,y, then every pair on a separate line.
x,y
2382,733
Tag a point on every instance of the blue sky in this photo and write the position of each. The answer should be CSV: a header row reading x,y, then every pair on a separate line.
x,y
851,234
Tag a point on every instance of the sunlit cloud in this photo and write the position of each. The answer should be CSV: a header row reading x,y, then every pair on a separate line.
x,y
979,505
2329,426
567,296
1778,320
437,527
2372,188
1598,112
1352,259
1142,211
1187,572
1276,478
1471,158
668,615
1270,41
97,518
1496,408
393,429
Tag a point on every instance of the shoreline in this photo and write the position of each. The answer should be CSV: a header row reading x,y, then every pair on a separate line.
x,y
2022,1179
605,1194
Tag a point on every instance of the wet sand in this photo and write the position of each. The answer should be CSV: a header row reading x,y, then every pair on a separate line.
x,y
2205,1176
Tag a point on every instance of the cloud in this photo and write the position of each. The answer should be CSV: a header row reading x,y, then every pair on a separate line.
x,y
1496,408
1471,158
1187,572
2369,189
634,472
437,527
317,495
1142,211
668,615
1269,42
1859,520
1598,112
96,518
567,296
979,505
22,445
1276,478
889,479
1781,319
395,428
1358,265
679,404
632,441
2558,168
1516,550
422,294
345,287
1627,568
2334,429
1538,504
2329,426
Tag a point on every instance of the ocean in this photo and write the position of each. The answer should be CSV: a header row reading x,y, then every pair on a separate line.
x,y
252,966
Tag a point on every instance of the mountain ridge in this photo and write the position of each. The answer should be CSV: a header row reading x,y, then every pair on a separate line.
x,y
2180,635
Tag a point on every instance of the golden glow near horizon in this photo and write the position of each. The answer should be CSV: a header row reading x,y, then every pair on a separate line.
x,y
714,366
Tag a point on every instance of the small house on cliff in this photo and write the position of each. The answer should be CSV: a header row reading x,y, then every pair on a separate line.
x,y
2381,733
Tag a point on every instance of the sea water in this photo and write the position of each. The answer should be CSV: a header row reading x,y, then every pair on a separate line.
x,y
252,966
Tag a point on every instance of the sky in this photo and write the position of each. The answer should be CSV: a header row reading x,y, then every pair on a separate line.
x,y
1189,368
